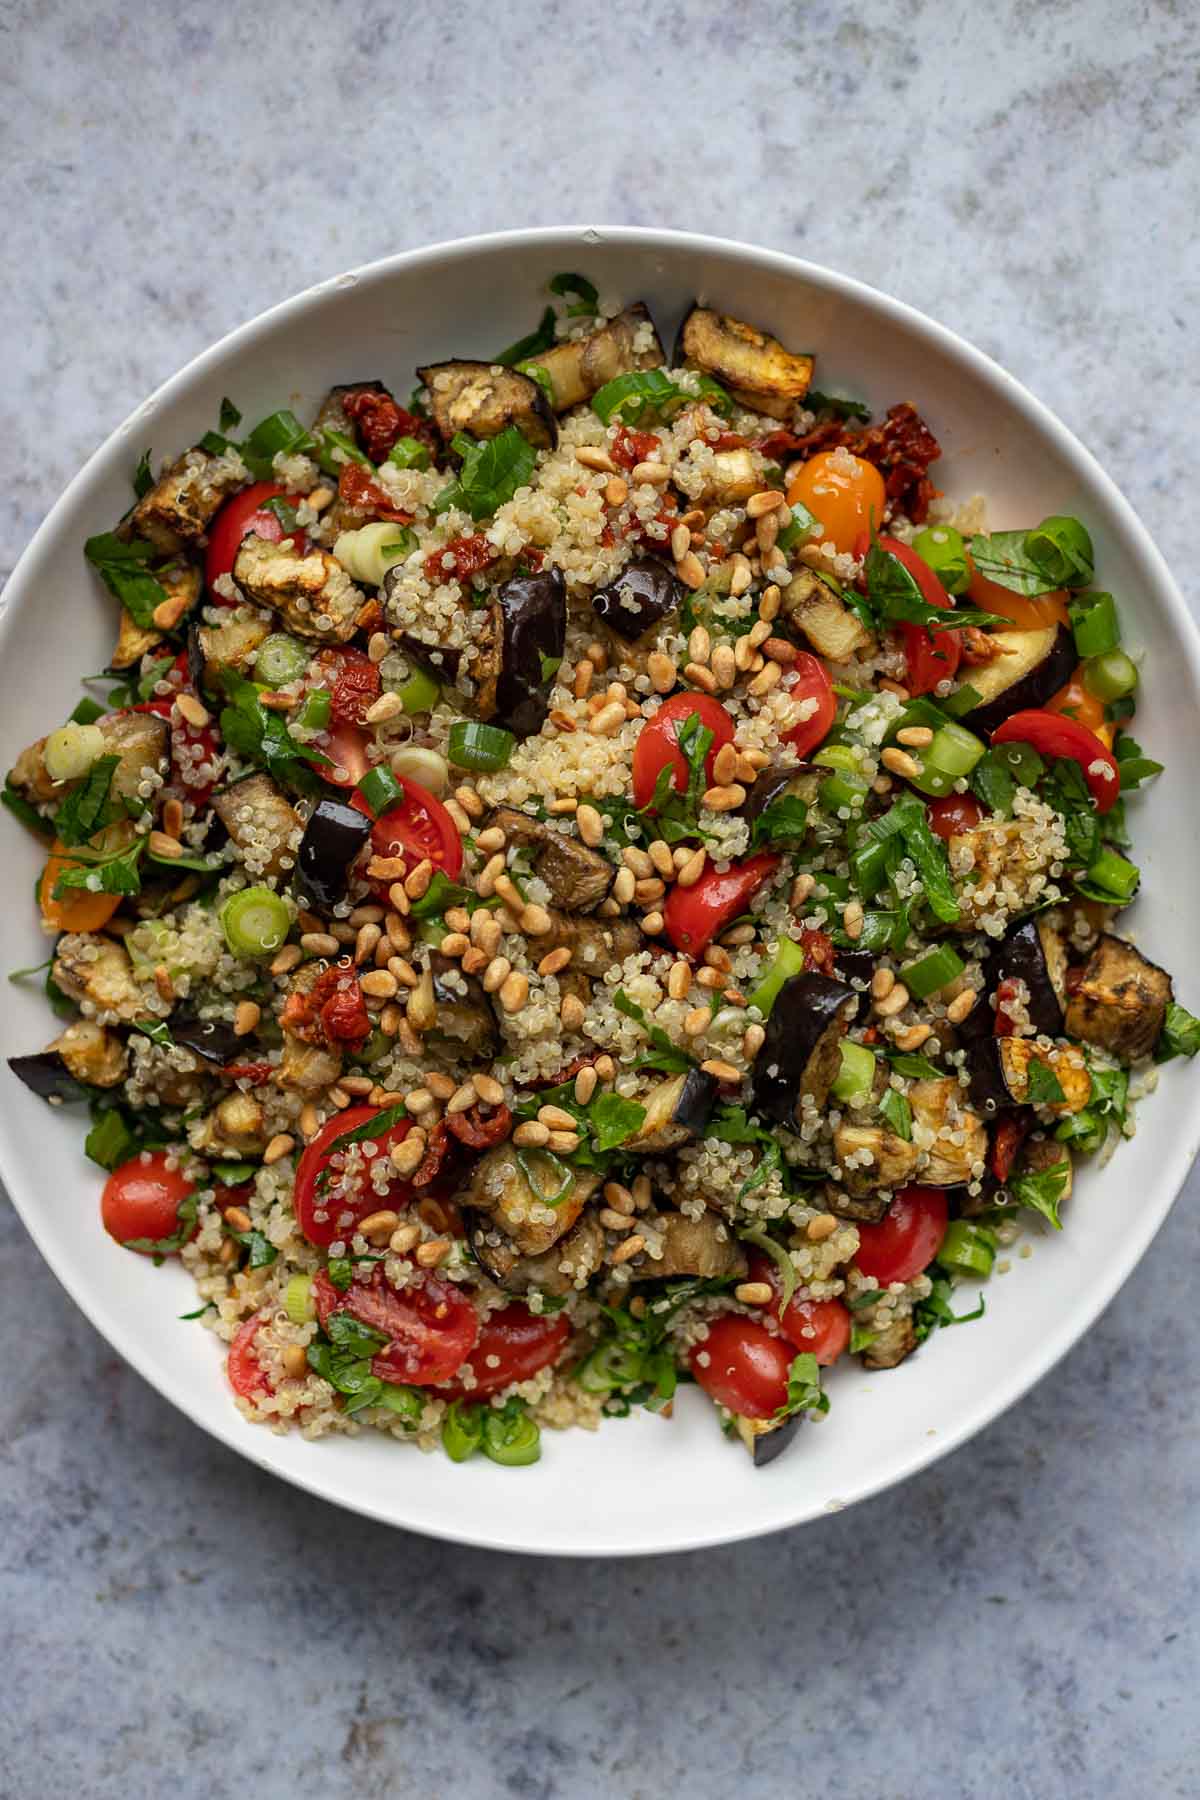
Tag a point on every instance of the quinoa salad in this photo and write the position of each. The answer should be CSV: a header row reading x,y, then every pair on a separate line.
x,y
592,876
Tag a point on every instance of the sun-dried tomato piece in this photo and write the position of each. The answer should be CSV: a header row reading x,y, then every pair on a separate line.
x,y
380,422
355,682
479,1130
631,447
333,1010
470,556
818,951
357,489
901,448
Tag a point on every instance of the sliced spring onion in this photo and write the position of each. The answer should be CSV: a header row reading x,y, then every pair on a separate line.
x,y
534,1164
297,1299
314,715
419,693
856,1076
417,762
1062,550
636,395
935,970
1095,625
838,791
789,961
945,551
70,751
845,757
511,1437
255,922
801,525
1111,676
1116,875
368,553
409,453
612,1364
462,1431
334,449
380,789
279,433
473,745
949,758
970,1248
280,659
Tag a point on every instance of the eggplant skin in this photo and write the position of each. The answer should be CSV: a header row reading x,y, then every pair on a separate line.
x,y
676,1109
252,807
1032,668
213,1040
766,1439
891,1346
46,1075
801,1053
484,399
577,368
755,367
466,1020
578,878
1121,1002
644,594
1024,954
333,837
533,637
830,627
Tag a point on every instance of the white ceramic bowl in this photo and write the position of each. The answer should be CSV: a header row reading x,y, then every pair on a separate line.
x,y
643,1484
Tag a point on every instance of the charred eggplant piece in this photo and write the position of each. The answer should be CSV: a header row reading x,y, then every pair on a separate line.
x,y
595,944
484,399
999,1074
892,1159
578,878
211,649
142,742
775,784
257,816
235,1127
644,594
704,1247
855,965
1040,1155
1121,1002
333,837
93,968
46,1075
866,1207
212,1040
560,1270
891,1346
520,1190
801,1054
303,588
1031,667
579,367
938,1106
766,1439
676,1109
1032,952
182,504
830,627
306,1068
465,1026
532,638
755,367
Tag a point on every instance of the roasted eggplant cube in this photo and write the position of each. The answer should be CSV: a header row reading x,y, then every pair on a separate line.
x,y
484,399
533,636
1065,1062
1032,952
830,627
142,742
501,1186
333,837
182,504
578,878
892,1160
579,367
644,594
1121,1002
676,1109
260,822
753,365
703,1247
94,968
310,590
802,1050
562,1269
890,1346
232,645
865,1207
766,1439
212,1040
595,944
959,1140
46,1075
1026,669
465,1026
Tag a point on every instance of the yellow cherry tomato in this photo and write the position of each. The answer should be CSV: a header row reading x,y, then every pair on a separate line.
x,y
1027,613
844,492
1076,701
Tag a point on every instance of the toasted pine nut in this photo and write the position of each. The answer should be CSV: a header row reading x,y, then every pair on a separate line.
x,y
356,1084
661,860
725,765
399,899
403,1239
697,1021
469,800
429,1255
882,983
405,1155
802,887
691,871
721,1071
679,980
417,881
852,919
724,799
917,737
489,1090
585,1085
741,577
767,678
590,825
535,920
379,1224
554,960
690,570
193,710
961,1005
572,1012
652,923
724,665
463,1098
699,645
366,941
710,978
419,1100
623,886
285,959
319,943
649,891
631,1247
765,501
754,1293
237,1218
295,1362
162,845
656,473
378,645
662,671
386,707
490,840
637,860
404,972
820,1228
172,818
593,457
279,1146
246,1017
563,1141
913,1038
893,1002
556,1117
381,984
514,991
531,1135
752,1042
496,974
609,719
681,541
900,763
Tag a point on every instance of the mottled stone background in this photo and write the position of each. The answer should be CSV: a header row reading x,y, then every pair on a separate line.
x,y
1021,1620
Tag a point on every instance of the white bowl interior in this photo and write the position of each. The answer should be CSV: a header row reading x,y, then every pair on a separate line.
x,y
644,1484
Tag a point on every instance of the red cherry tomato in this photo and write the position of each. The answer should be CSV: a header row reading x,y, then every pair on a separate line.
x,y
194,748
808,679
513,1345
246,1374
354,682
657,744
694,916
324,1211
140,1205
907,1238
346,748
932,656
431,1325
1007,1139
420,828
954,813
236,519
821,1326
743,1366
1052,735
1004,1024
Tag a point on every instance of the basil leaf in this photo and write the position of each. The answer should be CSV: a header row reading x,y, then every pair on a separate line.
x,y
533,345
110,1142
159,1032
440,894
491,473
1042,1192
836,405
1003,558
86,808
935,1310
1045,1089
804,1387
784,821
348,1333
262,1251
895,1109
142,479
1180,1036
122,569
993,785
370,1128
613,1119
228,417
913,1068
260,736
117,874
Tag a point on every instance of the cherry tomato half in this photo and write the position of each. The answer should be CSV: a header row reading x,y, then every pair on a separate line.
x,y
1052,735
743,1366
657,743
954,813
420,828
430,1325
820,1326
236,519
194,748
323,1211
932,656
808,679
513,1345
140,1204
907,1238
246,1374
694,916
1077,701
346,748
1031,612
847,495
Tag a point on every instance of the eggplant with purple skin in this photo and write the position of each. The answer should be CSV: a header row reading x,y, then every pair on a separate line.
x,y
576,368
530,619
1030,669
465,1022
212,1040
578,878
1032,952
333,837
644,594
766,1439
802,1051
84,1057
484,399
676,1109
1000,1072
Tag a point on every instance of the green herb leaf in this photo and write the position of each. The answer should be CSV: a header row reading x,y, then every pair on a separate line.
x,y
1180,1036
578,285
209,1306
1134,766
1003,558
935,1310
143,476
762,1240
993,784
110,1142
895,1109
116,874
86,711
613,1119
1045,1089
261,737
895,597
262,1251
861,1338
1043,1191
122,568
441,894
532,345
186,1214
86,808
804,1387
836,405
913,1068
491,473
157,1030
280,433
784,821
664,1055
229,416
375,1127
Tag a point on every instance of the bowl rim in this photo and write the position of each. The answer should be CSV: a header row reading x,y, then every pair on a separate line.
x,y
1144,1226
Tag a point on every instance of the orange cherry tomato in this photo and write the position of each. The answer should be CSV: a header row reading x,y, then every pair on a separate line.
x,y
1077,701
844,492
79,909
1027,613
